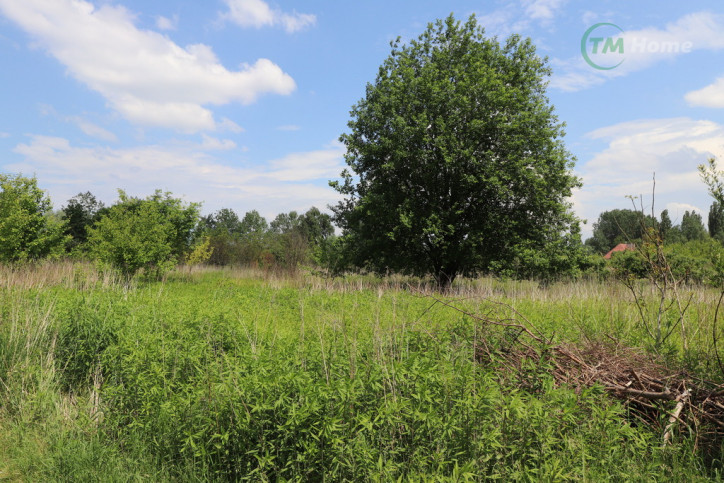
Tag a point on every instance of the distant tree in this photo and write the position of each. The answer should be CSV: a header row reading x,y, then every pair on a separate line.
x,y
152,234
618,226
253,223
255,239
226,222
692,226
222,230
716,221
28,229
80,213
285,222
289,244
665,224
316,226
318,230
456,157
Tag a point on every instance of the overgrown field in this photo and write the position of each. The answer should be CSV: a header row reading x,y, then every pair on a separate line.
x,y
238,375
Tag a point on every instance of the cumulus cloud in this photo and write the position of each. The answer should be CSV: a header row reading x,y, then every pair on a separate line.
x,y
294,182
258,14
670,148
144,76
646,47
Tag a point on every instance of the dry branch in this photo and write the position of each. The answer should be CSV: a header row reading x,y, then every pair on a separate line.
x,y
641,381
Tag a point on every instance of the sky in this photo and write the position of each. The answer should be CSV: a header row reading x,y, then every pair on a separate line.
x,y
240,103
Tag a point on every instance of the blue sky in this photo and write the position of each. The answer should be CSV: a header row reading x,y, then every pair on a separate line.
x,y
240,103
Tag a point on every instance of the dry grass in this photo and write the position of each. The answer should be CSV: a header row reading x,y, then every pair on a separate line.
x,y
70,274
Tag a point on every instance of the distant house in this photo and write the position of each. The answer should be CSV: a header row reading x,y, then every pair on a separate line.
x,y
621,247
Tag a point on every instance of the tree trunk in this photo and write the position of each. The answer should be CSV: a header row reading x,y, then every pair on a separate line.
x,y
444,279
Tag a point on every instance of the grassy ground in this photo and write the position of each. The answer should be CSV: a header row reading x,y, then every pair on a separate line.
x,y
238,374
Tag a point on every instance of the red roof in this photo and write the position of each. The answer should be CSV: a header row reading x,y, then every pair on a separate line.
x,y
621,247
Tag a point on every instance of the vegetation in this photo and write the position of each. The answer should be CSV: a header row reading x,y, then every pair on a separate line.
x,y
227,375
457,162
287,242
27,229
81,213
619,226
151,234
279,353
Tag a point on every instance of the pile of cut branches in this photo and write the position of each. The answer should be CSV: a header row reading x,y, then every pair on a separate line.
x,y
662,397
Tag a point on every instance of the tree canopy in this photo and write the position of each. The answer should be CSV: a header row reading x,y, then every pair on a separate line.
x,y
27,231
716,221
456,159
152,234
80,213
621,226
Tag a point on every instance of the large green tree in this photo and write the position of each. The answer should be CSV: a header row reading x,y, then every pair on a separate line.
x,y
27,229
456,159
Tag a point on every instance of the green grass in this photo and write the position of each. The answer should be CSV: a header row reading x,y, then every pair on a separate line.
x,y
234,375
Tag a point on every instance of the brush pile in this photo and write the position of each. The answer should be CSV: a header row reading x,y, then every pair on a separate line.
x,y
655,394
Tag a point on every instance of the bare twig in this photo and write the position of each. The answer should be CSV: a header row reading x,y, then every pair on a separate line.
x,y
682,399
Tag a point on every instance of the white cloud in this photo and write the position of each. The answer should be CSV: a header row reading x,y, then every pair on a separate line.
x,y
289,127
4,135
212,143
320,164
670,148
89,128
517,17
571,76
677,210
165,23
258,14
644,48
227,124
294,182
709,96
542,9
502,23
93,130
143,75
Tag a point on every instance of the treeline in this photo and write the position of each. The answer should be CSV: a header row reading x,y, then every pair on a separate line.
x,y
625,226
693,251
153,235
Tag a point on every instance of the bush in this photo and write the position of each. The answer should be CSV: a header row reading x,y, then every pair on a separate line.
x,y
152,234
28,231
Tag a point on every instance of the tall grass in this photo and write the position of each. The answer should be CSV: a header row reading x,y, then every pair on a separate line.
x,y
240,374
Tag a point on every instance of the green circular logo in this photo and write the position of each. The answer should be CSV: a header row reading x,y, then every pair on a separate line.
x,y
601,46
